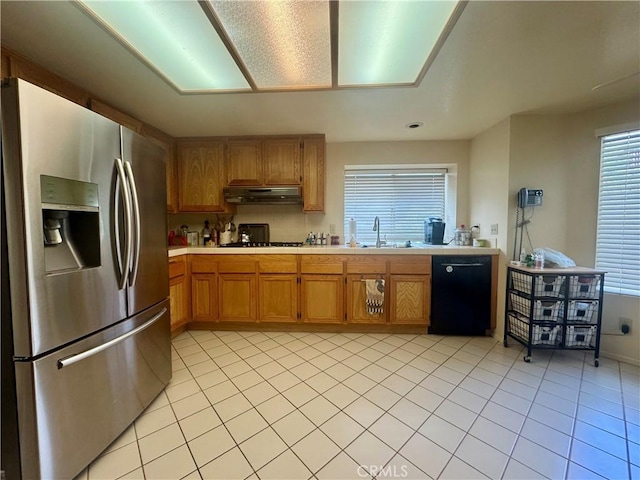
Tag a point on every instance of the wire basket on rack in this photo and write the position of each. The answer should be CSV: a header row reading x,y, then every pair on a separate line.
x,y
542,310
581,312
546,285
584,286
580,336
540,335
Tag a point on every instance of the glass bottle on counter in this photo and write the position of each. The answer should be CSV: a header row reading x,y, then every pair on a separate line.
x,y
206,233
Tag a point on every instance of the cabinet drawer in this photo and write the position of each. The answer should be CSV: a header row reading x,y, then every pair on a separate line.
x,y
204,264
420,265
366,265
235,266
326,264
176,267
277,264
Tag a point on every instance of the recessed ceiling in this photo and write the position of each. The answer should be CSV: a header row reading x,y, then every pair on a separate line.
x,y
213,46
500,58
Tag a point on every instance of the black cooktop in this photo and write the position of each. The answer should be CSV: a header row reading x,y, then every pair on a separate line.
x,y
263,244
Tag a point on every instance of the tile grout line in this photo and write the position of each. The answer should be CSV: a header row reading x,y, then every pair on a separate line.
x,y
467,431
377,383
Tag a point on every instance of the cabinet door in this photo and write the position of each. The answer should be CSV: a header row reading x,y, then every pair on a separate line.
x,y
172,179
410,299
278,298
282,162
178,298
322,298
201,167
357,301
204,297
169,145
237,297
244,162
313,175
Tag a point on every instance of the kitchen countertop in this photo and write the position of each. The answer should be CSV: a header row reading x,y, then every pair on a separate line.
x,y
336,250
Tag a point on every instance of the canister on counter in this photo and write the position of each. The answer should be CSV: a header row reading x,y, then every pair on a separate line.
x,y
463,236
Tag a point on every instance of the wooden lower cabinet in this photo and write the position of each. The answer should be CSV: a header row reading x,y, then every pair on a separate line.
x,y
322,298
278,297
357,304
204,298
179,294
237,297
410,299
289,289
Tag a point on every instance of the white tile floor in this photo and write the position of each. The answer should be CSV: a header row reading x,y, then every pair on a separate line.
x,y
351,406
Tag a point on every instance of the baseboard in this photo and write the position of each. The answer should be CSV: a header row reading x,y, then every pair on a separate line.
x,y
620,358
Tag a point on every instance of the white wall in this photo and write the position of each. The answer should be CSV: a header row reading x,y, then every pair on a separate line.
x,y
561,155
488,192
583,167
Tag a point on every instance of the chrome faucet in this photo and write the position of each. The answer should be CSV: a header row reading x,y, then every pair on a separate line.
x,y
376,228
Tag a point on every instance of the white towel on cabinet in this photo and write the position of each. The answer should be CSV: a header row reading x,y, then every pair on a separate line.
x,y
375,296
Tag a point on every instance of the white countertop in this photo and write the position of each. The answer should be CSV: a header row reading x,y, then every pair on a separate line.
x,y
336,250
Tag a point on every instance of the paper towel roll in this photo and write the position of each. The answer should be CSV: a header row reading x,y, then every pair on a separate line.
x,y
353,229
225,237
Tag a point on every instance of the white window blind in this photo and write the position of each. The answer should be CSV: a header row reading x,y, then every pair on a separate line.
x,y
618,237
403,199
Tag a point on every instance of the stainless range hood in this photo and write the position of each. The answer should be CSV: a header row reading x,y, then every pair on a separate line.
x,y
263,195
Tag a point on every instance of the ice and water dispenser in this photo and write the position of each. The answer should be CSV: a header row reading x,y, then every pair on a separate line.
x,y
70,224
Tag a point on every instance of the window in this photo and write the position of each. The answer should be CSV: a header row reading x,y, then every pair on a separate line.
x,y
618,238
402,198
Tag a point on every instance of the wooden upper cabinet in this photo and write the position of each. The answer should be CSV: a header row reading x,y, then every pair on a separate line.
x,y
5,69
172,178
169,145
313,175
244,162
282,161
200,176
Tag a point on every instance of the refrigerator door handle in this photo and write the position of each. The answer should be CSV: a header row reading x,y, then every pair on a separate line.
x,y
136,221
78,357
124,267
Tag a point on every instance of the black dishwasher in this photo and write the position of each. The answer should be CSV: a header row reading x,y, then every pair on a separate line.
x,y
460,295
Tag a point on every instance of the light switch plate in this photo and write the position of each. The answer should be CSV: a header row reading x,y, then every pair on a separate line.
x,y
494,229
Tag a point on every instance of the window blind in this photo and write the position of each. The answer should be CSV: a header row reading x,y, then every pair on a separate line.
x,y
403,199
618,237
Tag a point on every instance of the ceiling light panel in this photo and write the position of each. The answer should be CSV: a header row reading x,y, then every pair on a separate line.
x,y
388,42
175,38
284,44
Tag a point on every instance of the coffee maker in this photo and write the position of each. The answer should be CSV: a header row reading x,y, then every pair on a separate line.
x,y
434,231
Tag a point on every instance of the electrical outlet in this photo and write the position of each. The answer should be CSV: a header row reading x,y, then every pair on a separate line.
x,y
494,229
332,228
624,322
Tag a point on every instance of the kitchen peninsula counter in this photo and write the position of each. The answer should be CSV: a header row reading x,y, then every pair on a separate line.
x,y
335,250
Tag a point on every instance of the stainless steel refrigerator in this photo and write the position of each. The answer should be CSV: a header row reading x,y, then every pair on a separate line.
x,y
85,314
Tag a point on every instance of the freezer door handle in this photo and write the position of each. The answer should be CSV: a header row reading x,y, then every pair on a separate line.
x,y
95,350
123,266
136,223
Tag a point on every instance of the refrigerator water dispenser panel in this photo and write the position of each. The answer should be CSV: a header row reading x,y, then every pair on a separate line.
x,y
70,224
